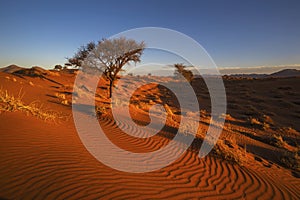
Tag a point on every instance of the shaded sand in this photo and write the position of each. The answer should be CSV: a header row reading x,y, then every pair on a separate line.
x,y
47,160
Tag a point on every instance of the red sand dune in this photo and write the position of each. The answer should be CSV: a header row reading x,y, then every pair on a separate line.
x,y
47,160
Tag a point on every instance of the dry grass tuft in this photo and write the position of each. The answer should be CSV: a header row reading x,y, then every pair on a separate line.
x,y
62,98
291,160
230,151
101,110
278,141
9,102
254,121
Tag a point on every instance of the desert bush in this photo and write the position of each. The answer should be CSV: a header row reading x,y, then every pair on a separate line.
x,y
254,121
60,95
58,67
101,110
62,98
268,119
65,102
266,126
9,102
261,124
277,141
230,151
291,160
289,130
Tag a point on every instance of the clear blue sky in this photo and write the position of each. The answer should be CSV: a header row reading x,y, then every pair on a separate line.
x,y
235,33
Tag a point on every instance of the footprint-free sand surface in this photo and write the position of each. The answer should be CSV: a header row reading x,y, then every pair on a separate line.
x,y
47,160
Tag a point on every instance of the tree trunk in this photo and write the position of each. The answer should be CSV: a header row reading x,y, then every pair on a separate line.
x,y
110,88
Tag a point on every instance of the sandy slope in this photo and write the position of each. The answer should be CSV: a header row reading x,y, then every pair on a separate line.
x,y
42,161
47,160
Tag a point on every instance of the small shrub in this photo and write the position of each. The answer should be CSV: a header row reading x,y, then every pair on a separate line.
x,y
291,160
60,95
277,141
265,126
229,150
58,67
65,102
100,110
255,121
268,119
10,103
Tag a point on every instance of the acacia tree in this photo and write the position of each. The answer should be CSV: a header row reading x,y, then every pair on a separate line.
x,y
81,54
109,56
180,69
58,67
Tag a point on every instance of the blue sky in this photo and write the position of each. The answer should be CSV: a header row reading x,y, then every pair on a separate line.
x,y
234,33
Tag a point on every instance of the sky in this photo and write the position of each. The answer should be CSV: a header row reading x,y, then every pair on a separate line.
x,y
236,34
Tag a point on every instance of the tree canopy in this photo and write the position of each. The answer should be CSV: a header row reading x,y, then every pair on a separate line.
x,y
180,69
109,56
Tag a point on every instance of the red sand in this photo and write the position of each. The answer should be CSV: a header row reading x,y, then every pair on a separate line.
x,y
47,160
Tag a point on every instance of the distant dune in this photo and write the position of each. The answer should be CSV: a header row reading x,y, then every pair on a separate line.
x,y
38,71
285,73
34,71
10,69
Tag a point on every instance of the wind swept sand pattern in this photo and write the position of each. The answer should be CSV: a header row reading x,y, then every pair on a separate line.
x,y
47,160
52,163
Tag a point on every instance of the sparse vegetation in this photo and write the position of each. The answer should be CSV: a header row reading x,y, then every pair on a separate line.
x,y
62,98
229,150
291,160
58,67
278,141
266,126
262,124
81,55
254,121
180,70
9,102
101,110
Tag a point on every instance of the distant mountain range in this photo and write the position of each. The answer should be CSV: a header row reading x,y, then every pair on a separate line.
x,y
280,74
14,69
286,73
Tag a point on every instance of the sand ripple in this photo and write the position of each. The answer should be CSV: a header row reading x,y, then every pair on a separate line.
x,y
39,162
